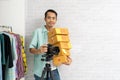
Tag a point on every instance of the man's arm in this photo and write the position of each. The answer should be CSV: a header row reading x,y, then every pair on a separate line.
x,y
34,51
41,50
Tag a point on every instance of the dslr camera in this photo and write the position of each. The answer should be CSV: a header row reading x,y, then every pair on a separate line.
x,y
52,50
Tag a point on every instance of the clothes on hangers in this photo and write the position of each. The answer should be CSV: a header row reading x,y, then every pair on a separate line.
x,y
13,57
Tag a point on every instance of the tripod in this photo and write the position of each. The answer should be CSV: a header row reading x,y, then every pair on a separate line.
x,y
47,69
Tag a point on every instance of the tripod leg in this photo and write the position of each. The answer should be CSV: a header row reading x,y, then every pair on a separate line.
x,y
43,74
47,76
51,75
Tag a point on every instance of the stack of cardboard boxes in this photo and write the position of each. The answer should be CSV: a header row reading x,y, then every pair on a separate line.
x,y
60,37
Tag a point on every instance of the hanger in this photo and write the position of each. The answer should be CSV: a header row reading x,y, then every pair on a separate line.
x,y
6,28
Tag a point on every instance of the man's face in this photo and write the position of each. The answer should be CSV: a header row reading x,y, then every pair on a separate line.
x,y
50,19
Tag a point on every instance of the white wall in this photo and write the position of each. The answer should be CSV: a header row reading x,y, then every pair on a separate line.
x,y
94,31
12,13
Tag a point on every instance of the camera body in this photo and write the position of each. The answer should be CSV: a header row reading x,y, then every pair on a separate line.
x,y
52,50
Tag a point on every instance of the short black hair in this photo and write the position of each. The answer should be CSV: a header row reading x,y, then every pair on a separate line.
x,y
50,10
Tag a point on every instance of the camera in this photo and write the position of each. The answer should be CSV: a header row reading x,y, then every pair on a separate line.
x,y
52,50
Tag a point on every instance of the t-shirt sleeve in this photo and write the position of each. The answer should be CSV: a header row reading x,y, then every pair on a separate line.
x,y
33,43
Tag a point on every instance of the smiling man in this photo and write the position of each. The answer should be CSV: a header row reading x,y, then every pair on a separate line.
x,y
38,46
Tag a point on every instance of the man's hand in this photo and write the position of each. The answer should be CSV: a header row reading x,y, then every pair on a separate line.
x,y
69,60
43,48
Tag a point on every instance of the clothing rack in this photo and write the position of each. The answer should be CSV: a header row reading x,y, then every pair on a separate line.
x,y
6,28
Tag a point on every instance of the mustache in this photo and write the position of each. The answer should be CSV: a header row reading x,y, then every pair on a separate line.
x,y
52,22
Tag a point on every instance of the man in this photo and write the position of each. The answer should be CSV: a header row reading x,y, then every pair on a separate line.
x,y
38,45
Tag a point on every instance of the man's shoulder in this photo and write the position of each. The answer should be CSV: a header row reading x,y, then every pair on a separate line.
x,y
39,29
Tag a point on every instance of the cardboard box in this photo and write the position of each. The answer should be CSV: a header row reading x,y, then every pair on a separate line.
x,y
64,52
63,45
58,38
55,31
58,60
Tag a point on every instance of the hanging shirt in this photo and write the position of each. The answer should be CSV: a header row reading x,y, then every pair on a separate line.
x,y
11,72
2,49
8,56
19,65
23,55
2,58
0,63
8,52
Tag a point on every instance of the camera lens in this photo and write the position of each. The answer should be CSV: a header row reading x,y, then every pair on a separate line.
x,y
55,50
